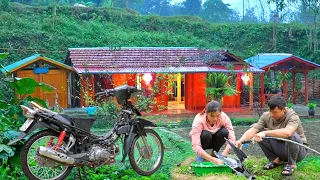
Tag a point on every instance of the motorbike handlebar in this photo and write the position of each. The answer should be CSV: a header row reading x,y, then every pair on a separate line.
x,y
107,92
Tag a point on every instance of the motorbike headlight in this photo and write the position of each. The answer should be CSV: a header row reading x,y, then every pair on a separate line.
x,y
27,112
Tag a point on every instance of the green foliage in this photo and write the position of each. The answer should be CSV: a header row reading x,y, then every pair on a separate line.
x,y
11,172
289,105
4,4
116,27
311,105
216,11
218,86
25,86
3,55
10,112
107,114
308,168
144,103
247,121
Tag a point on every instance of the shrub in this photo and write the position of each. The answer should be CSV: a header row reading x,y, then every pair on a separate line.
x,y
311,105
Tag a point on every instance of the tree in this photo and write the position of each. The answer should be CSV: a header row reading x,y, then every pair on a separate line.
x,y
160,7
98,2
191,7
217,11
124,3
261,10
250,16
310,8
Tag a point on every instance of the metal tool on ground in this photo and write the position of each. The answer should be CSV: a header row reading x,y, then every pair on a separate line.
x,y
236,163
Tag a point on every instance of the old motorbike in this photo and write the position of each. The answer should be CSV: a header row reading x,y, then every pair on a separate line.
x,y
64,142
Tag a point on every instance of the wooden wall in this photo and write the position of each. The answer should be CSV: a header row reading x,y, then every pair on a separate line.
x,y
55,78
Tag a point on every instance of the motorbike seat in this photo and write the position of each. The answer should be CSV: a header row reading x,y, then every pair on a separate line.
x,y
61,117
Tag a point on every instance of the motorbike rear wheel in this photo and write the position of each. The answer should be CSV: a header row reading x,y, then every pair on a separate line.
x,y
36,167
146,153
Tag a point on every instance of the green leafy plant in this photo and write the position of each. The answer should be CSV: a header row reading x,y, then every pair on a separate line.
x,y
106,113
311,105
289,105
218,86
10,112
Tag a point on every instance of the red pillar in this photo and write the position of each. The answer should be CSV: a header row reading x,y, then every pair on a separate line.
x,y
188,96
306,86
294,93
238,88
251,91
262,95
284,85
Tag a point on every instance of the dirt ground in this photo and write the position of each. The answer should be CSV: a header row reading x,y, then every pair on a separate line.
x,y
311,129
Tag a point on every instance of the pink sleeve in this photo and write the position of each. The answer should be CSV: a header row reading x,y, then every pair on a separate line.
x,y
195,133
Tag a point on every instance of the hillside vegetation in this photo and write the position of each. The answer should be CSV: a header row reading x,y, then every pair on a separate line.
x,y
26,30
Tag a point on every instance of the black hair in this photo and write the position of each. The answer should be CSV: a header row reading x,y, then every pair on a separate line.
x,y
277,101
213,106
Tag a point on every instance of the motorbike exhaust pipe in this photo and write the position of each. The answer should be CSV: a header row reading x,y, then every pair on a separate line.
x,y
57,156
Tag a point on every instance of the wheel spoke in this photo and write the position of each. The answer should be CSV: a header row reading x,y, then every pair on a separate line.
x,y
139,159
50,169
147,157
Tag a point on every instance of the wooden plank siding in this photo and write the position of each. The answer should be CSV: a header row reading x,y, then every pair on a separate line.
x,y
55,78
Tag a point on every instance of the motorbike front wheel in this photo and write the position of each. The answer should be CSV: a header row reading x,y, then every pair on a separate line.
x,y
146,153
36,167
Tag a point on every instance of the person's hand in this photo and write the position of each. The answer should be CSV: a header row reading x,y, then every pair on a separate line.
x,y
217,161
238,143
259,136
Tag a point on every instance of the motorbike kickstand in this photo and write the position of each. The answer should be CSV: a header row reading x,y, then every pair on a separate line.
x,y
84,173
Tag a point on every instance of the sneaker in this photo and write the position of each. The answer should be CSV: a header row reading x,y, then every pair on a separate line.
x,y
199,159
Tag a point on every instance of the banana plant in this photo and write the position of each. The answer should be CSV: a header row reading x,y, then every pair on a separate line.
x,y
218,86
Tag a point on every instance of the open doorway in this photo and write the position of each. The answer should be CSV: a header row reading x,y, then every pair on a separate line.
x,y
176,91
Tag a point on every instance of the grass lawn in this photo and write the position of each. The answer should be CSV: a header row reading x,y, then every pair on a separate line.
x,y
178,156
308,169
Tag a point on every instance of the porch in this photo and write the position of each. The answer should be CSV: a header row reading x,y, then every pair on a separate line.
x,y
177,111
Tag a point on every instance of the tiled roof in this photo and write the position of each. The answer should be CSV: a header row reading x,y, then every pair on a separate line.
x,y
144,59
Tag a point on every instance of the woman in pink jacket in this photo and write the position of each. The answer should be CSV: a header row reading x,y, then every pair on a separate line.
x,y
209,129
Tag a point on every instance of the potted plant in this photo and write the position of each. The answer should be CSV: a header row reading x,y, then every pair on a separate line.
x,y
218,86
311,109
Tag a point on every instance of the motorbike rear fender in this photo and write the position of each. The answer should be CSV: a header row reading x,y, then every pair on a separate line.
x,y
137,129
22,135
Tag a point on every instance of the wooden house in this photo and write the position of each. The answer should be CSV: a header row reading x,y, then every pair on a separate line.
x,y
181,70
45,70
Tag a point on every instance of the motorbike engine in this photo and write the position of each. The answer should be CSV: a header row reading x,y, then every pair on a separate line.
x,y
104,153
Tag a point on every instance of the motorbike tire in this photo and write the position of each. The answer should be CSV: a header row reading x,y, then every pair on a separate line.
x,y
24,155
134,164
